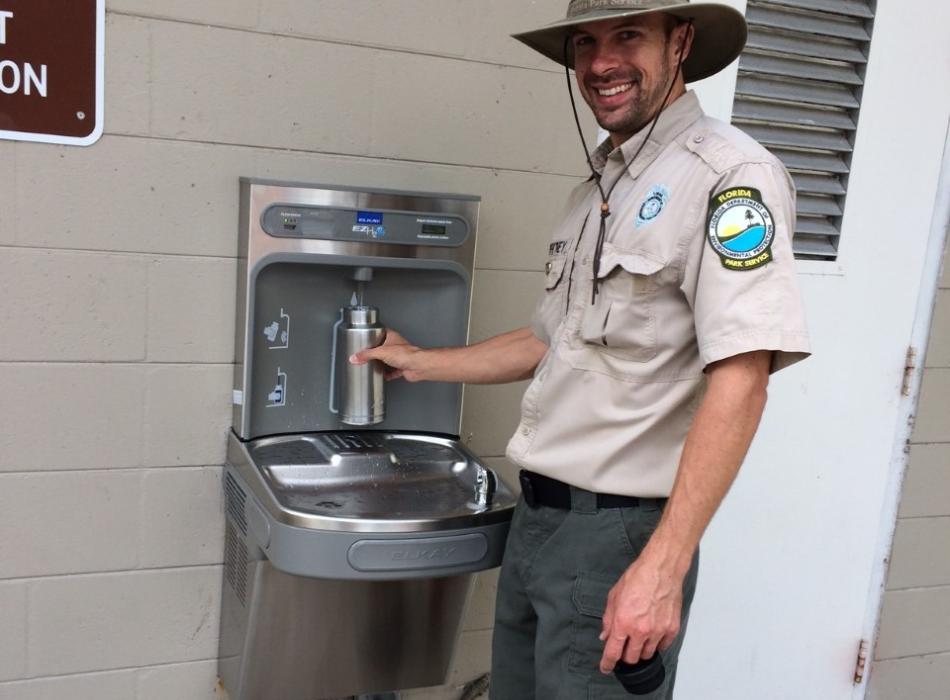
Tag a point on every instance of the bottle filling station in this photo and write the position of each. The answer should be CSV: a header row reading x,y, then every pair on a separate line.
x,y
355,518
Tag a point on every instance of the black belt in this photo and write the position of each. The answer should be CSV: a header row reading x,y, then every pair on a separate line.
x,y
539,490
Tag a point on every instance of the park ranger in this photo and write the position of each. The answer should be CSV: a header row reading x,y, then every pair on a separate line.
x,y
670,297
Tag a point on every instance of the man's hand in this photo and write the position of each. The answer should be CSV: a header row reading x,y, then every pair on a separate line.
x,y
508,357
396,353
642,614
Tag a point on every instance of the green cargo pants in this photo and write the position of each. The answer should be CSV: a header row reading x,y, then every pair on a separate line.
x,y
558,567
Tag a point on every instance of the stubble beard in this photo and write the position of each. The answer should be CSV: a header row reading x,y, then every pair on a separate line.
x,y
639,111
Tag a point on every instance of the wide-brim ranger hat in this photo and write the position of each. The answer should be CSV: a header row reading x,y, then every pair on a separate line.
x,y
720,34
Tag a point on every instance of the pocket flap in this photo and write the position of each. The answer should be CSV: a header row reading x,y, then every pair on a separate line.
x,y
590,595
553,271
633,262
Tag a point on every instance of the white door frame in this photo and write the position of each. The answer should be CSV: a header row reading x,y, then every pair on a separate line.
x,y
920,337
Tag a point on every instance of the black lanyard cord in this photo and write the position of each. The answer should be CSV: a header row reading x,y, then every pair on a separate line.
x,y
605,196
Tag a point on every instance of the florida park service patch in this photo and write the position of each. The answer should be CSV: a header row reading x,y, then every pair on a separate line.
x,y
741,228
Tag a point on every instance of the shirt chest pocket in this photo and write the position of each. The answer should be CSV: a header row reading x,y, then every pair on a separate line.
x,y
621,323
554,271
550,309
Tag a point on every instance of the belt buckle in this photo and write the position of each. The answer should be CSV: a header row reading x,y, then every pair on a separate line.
x,y
527,490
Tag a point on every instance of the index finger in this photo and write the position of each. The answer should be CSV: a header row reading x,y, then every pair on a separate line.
x,y
613,650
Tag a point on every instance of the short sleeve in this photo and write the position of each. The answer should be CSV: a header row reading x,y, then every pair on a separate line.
x,y
740,276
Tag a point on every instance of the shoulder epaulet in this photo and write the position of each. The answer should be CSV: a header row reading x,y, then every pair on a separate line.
x,y
723,147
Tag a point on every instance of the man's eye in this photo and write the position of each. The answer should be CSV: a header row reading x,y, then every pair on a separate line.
x,y
582,41
628,35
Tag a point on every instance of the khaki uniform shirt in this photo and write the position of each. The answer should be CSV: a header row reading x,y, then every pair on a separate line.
x,y
696,267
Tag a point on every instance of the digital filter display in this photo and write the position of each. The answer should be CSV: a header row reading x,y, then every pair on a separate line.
x,y
369,217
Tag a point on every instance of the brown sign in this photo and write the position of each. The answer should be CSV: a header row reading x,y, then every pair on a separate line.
x,y
51,54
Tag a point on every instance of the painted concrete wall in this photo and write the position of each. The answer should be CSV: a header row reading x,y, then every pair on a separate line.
x,y
912,658
117,299
117,296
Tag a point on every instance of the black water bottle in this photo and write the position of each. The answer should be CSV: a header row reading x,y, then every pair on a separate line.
x,y
643,677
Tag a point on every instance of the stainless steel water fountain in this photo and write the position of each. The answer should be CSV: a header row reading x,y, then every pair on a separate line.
x,y
355,516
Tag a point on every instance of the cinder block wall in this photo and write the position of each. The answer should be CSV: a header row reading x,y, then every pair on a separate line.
x,y
117,295
912,659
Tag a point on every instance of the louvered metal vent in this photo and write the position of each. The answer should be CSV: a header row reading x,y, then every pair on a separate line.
x,y
235,562
234,499
798,94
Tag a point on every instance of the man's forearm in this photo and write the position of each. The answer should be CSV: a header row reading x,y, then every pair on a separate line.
x,y
717,443
508,357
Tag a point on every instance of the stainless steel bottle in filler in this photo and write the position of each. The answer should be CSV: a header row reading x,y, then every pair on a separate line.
x,y
362,391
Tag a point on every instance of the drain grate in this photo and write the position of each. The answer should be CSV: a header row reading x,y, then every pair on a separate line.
x,y
352,441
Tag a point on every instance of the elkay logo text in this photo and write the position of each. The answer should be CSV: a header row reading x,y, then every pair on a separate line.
x,y
423,553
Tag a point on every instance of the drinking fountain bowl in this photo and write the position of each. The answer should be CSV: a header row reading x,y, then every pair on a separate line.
x,y
377,482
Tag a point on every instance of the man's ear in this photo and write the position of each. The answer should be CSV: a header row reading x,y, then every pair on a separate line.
x,y
683,40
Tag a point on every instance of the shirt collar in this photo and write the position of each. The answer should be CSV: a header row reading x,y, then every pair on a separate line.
x,y
672,122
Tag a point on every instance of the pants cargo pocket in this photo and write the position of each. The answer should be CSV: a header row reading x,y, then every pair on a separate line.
x,y
589,597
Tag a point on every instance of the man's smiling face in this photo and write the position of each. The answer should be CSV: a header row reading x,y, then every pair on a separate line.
x,y
625,69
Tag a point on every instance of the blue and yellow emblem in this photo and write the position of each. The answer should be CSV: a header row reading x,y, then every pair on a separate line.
x,y
741,228
652,205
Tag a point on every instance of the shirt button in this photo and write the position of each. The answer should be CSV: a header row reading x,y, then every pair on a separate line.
x,y
547,267
525,431
698,139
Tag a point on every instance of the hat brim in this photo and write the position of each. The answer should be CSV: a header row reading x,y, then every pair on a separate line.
x,y
720,35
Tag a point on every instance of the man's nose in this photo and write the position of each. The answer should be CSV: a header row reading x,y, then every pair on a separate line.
x,y
603,60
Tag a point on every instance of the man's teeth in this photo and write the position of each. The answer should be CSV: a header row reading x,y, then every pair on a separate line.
x,y
615,90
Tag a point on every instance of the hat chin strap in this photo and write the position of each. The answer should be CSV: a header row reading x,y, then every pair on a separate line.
x,y
605,195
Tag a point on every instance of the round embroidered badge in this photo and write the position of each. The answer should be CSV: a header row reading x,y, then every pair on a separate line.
x,y
741,228
653,205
